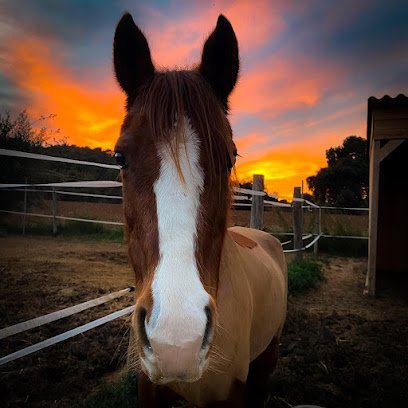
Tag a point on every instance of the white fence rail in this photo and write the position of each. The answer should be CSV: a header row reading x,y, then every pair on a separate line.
x,y
65,336
15,153
60,314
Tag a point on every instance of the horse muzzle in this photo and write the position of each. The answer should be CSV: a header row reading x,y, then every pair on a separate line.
x,y
166,363
176,350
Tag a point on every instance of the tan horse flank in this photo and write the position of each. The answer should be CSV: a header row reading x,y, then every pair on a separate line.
x,y
210,301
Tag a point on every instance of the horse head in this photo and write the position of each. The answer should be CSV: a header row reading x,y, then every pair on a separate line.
x,y
175,149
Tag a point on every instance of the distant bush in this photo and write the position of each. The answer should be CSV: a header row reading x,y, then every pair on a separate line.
x,y
303,275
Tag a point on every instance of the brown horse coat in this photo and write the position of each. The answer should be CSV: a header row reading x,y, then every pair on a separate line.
x,y
251,305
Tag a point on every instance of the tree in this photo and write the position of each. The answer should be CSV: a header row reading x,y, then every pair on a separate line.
x,y
344,182
18,133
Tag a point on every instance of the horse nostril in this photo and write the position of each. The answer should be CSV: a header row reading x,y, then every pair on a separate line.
x,y
207,331
141,321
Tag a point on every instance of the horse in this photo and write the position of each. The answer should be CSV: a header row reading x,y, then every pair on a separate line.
x,y
210,300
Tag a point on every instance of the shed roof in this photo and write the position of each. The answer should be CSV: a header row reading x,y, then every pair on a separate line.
x,y
386,102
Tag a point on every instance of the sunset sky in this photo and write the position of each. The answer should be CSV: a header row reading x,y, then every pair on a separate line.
x,y
307,70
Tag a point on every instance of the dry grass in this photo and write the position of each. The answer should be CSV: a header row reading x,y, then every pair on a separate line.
x,y
333,222
276,220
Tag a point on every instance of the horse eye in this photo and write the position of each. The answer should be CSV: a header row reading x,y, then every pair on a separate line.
x,y
120,160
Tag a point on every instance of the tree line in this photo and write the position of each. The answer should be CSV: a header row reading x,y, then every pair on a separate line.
x,y
344,182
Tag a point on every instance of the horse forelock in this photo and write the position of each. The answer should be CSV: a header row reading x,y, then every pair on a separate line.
x,y
171,98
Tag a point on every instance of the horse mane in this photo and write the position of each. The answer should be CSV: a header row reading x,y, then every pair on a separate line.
x,y
171,97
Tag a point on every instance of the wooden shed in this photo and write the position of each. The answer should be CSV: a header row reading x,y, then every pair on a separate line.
x,y
387,137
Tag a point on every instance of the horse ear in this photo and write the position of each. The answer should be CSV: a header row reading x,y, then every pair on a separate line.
x,y
131,56
220,59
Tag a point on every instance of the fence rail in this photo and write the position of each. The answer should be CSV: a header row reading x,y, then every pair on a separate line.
x,y
60,314
26,155
69,311
65,336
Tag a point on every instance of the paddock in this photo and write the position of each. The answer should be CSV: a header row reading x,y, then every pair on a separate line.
x,y
337,350
331,340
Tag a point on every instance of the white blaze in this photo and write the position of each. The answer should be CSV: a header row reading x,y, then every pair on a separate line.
x,y
179,298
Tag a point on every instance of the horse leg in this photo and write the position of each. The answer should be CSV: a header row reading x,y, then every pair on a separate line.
x,y
259,371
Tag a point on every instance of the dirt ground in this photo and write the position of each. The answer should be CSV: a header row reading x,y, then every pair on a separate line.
x,y
339,348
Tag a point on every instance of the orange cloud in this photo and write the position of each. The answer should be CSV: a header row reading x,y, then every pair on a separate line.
x,y
180,44
255,22
279,84
252,139
85,115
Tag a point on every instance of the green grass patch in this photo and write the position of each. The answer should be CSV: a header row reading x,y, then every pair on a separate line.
x,y
119,395
303,275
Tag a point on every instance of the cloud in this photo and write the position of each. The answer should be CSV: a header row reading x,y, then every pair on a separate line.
x,y
250,141
278,85
11,96
80,33
86,114
177,40
255,23
366,38
65,21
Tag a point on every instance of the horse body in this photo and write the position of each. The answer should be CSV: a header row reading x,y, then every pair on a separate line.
x,y
210,301
251,304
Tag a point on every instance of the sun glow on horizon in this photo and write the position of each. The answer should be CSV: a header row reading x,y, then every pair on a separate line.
x,y
283,168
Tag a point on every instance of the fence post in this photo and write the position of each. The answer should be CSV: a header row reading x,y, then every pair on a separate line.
x,y
54,211
257,207
318,228
297,223
25,208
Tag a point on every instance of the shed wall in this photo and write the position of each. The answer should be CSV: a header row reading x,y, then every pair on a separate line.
x,y
392,240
